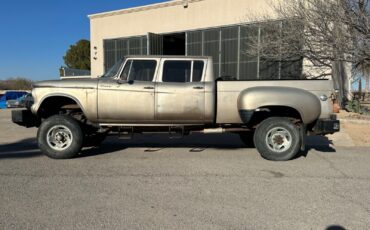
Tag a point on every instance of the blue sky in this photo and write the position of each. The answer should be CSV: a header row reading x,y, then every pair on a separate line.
x,y
36,34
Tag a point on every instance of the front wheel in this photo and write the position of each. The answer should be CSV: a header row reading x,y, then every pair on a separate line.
x,y
60,137
277,139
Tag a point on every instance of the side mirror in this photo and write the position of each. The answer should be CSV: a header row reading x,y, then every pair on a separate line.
x,y
120,81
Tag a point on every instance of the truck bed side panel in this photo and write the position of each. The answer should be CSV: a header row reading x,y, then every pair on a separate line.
x,y
228,93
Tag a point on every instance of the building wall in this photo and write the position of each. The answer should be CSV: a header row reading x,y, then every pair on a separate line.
x,y
167,17
230,47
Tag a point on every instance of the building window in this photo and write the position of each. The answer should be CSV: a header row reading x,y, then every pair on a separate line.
x,y
116,49
229,47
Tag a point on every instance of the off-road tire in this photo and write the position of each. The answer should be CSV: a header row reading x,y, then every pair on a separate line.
x,y
275,132
45,134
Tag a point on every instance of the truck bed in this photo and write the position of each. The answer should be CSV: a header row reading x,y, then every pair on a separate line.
x,y
229,91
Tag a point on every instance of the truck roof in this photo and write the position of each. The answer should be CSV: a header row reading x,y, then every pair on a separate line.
x,y
169,56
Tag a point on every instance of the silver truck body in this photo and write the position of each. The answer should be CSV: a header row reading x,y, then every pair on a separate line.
x,y
106,101
178,94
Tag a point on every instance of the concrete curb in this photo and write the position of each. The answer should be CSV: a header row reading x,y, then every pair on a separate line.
x,y
355,121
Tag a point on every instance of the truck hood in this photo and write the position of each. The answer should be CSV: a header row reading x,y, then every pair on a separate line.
x,y
90,83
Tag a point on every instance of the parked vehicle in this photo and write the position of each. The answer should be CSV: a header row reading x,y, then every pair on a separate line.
x,y
178,95
12,103
26,101
9,99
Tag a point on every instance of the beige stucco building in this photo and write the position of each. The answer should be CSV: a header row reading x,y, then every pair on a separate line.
x,y
217,28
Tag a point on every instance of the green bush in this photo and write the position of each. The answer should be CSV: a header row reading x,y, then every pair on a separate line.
x,y
354,106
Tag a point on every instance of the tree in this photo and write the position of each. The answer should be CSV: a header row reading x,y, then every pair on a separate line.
x,y
78,55
331,36
364,70
16,84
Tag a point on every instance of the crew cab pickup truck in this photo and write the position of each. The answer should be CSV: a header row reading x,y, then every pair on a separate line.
x,y
178,95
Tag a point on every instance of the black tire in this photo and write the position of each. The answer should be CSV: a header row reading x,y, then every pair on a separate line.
x,y
247,138
94,140
277,139
60,137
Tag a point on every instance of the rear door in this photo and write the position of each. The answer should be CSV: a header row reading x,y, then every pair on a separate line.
x,y
180,93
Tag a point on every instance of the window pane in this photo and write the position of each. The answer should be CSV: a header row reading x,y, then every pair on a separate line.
x,y
229,53
248,71
194,43
126,70
142,70
269,70
176,71
198,71
291,69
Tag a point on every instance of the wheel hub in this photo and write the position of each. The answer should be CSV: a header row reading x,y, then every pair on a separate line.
x,y
59,137
278,139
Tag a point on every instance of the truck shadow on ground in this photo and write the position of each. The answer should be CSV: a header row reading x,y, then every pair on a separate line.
x,y
27,148
158,142
196,143
317,143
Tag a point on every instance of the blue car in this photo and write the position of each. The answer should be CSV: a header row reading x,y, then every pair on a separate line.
x,y
7,99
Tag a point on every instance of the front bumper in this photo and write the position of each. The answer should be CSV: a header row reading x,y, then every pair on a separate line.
x,y
25,118
327,126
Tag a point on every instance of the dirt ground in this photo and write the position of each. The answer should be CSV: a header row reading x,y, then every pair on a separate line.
x,y
360,133
357,127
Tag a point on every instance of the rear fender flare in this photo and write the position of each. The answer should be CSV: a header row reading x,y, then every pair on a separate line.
x,y
304,102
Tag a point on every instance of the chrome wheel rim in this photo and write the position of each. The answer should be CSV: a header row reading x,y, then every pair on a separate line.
x,y
278,139
59,137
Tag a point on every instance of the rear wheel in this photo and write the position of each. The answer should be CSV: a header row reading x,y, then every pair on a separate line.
x,y
277,139
60,137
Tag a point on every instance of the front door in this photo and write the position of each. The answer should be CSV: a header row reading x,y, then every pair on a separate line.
x,y
129,99
180,95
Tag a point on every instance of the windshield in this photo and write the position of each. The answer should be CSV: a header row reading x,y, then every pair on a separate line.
x,y
112,72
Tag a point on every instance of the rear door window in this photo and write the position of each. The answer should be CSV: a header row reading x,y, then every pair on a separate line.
x,y
176,71
181,71
198,71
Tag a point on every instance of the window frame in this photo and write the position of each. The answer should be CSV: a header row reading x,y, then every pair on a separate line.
x,y
157,63
192,61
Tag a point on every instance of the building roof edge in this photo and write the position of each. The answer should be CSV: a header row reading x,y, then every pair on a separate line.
x,y
142,8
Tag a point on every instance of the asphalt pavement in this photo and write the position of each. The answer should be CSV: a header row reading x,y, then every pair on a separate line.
x,y
199,182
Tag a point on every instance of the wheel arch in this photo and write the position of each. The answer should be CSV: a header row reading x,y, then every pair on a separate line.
x,y
54,102
278,101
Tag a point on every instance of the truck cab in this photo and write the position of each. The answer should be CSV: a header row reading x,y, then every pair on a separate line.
x,y
165,90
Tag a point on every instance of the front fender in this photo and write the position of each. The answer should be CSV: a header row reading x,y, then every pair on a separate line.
x,y
304,102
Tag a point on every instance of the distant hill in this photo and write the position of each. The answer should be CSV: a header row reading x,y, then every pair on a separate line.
x,y
16,84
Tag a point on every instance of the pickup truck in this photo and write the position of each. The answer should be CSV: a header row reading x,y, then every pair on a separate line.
x,y
180,96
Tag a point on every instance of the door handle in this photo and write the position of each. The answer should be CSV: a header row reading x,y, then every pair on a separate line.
x,y
198,87
148,87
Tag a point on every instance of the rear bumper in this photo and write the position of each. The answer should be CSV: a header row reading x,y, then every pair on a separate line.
x,y
25,118
327,126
